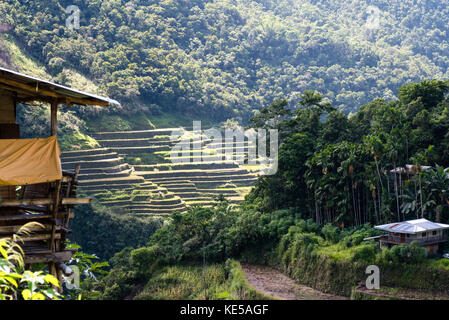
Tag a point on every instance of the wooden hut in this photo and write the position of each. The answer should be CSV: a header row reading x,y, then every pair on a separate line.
x,y
33,187
423,232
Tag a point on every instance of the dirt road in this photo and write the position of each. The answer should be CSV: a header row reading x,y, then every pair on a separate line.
x,y
277,285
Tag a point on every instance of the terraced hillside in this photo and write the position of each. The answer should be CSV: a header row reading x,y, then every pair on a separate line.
x,y
105,175
163,170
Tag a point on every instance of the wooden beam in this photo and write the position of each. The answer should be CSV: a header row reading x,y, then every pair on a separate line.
x,y
38,93
36,90
26,93
54,117
43,202
83,102
16,228
18,217
40,237
29,99
45,257
54,215
59,276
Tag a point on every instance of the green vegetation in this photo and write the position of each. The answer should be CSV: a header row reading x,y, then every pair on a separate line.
x,y
217,282
119,123
310,218
16,283
172,61
227,58
77,140
22,61
330,259
338,170
106,231
178,119
142,269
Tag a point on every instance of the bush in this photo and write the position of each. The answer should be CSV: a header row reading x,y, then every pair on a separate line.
x,y
143,258
330,233
408,253
366,253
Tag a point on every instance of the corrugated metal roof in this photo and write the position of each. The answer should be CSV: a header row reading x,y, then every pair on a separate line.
x,y
53,87
409,168
412,226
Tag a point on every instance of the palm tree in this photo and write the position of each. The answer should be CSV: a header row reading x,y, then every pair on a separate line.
x,y
437,182
314,99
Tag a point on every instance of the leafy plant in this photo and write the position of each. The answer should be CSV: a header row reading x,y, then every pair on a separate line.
x,y
15,281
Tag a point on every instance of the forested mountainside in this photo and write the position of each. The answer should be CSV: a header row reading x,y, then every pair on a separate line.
x,y
227,58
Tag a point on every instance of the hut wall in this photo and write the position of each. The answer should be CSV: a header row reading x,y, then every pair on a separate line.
x,y
7,108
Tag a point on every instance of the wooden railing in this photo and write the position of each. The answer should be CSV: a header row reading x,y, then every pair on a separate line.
x,y
50,204
420,241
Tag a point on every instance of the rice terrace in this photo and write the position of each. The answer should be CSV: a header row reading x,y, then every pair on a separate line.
x,y
137,171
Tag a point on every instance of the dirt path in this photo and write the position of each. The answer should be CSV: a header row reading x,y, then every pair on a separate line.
x,y
277,285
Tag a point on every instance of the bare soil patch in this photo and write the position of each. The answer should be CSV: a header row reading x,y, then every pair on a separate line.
x,y
275,284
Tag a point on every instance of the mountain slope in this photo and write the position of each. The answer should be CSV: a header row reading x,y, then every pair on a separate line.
x,y
233,56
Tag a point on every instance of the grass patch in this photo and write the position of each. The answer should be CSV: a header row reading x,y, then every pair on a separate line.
x,y
77,140
173,120
111,123
338,251
214,282
23,62
439,263
144,158
252,167
78,81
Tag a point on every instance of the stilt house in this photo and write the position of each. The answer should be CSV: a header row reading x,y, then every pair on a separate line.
x,y
33,187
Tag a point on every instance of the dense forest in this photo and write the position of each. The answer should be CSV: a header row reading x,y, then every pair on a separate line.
x,y
339,170
229,58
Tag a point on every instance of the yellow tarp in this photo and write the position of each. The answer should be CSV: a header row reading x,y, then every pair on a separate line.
x,y
29,161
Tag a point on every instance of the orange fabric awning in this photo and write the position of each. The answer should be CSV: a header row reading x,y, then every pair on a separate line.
x,y
29,161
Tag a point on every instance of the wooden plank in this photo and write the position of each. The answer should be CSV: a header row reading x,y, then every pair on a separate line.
x,y
27,88
58,257
76,201
26,202
33,216
83,102
54,118
54,215
25,217
33,208
15,228
9,231
40,237
7,114
42,94
46,201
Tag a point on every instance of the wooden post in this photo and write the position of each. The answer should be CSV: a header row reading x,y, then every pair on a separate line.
x,y
54,117
53,269
15,109
59,277
55,215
